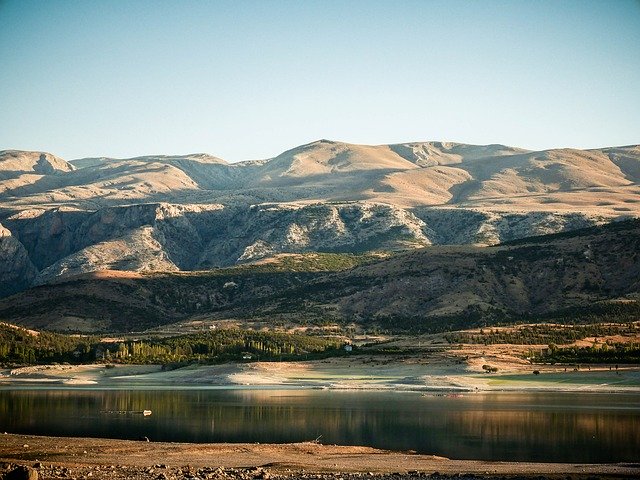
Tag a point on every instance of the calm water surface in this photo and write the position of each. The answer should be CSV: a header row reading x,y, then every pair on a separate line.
x,y
575,427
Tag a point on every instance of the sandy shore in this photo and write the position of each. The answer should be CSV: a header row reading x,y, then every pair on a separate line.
x,y
58,457
362,372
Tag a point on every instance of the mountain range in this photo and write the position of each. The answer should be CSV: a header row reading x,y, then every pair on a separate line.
x,y
163,213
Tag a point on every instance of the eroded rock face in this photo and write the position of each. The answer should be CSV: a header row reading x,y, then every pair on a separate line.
x,y
62,242
206,236
137,251
16,270
557,278
455,226
263,230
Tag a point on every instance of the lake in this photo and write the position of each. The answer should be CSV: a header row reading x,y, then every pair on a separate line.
x,y
550,427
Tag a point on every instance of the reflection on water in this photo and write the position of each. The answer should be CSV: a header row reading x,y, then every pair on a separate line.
x,y
535,427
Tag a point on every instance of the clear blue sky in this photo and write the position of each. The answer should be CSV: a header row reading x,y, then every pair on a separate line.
x,y
248,79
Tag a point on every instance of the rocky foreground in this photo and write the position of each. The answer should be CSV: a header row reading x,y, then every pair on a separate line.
x,y
31,457
160,472
163,472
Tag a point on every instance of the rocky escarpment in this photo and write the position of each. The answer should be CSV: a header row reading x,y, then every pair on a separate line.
x,y
136,251
457,226
192,237
16,270
154,237
568,276
259,231
575,276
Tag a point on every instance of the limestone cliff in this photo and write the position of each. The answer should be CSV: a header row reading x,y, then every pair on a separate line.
x,y
16,270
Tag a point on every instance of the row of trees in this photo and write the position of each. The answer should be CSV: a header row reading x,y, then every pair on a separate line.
x,y
544,334
221,345
18,346
605,353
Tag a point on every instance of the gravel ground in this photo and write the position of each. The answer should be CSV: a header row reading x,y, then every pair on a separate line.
x,y
163,472
102,459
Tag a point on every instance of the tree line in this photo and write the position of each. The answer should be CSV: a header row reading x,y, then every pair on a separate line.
x,y
22,347
604,353
543,334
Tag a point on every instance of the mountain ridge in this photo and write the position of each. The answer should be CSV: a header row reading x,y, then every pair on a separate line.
x,y
409,175
196,211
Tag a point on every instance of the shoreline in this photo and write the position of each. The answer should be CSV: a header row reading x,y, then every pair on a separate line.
x,y
107,459
102,458
351,374
434,392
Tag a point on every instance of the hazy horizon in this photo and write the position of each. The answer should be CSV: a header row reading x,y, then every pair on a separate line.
x,y
290,147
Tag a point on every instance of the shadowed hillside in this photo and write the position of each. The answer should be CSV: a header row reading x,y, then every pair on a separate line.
x,y
587,275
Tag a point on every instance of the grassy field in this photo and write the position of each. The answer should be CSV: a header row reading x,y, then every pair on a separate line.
x,y
630,378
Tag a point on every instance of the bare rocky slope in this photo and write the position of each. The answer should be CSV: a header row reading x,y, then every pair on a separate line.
x,y
16,270
195,212
589,274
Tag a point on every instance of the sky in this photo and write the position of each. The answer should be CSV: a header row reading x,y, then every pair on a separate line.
x,y
249,79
